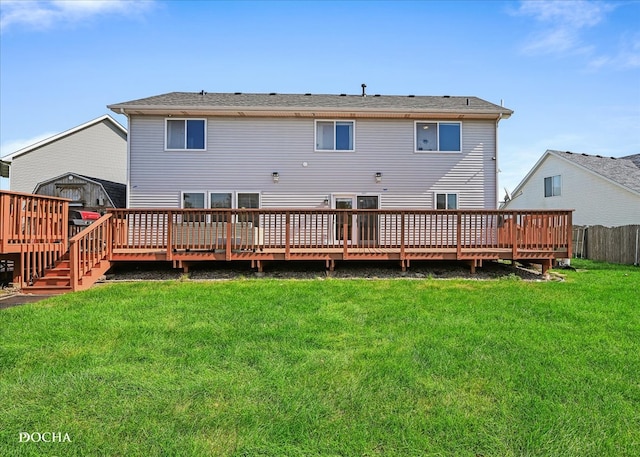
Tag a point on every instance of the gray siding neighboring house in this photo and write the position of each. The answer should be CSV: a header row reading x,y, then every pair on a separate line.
x,y
249,137
96,148
602,190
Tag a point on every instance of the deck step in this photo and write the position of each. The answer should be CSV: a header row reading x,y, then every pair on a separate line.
x,y
46,290
54,272
50,280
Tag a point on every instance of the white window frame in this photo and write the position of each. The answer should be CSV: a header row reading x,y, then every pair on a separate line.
x,y
415,136
335,121
446,198
219,192
544,186
235,197
182,192
207,197
185,119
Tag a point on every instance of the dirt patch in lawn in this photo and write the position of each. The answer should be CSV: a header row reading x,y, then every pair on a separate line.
x,y
311,270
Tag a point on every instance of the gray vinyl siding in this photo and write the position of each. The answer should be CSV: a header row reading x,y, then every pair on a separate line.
x,y
242,153
98,151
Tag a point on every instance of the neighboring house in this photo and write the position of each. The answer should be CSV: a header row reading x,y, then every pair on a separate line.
x,y
85,192
97,148
602,190
312,151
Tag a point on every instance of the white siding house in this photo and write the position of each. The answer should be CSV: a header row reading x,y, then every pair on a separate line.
x,y
96,148
602,190
313,151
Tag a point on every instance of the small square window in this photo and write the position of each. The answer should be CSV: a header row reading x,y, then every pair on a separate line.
x,y
193,200
446,201
334,135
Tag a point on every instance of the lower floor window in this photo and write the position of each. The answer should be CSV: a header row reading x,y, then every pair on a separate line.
x,y
446,201
219,200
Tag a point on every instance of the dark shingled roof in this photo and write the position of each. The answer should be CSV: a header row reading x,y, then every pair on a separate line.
x,y
635,158
623,170
306,102
116,191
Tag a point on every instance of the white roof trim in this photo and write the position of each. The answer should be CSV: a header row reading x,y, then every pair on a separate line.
x,y
53,138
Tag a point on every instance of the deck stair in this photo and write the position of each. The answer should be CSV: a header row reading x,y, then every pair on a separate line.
x,y
57,280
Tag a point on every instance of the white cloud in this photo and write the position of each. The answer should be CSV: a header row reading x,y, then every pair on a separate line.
x,y
574,14
40,14
627,57
10,147
561,24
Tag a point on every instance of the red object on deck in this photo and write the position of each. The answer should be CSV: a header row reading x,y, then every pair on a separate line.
x,y
89,215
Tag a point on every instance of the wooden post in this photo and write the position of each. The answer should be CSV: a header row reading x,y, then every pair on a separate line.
x,y
73,264
287,236
458,234
5,218
169,235
514,236
402,241
345,237
229,233
569,234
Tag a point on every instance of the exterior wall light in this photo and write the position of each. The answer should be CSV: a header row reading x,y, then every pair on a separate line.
x,y
275,176
378,177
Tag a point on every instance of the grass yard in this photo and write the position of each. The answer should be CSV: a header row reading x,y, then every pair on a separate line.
x,y
329,368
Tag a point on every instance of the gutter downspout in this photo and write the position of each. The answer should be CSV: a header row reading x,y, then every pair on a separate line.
x,y
497,200
128,194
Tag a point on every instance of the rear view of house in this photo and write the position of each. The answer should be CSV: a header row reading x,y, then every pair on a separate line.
x,y
234,150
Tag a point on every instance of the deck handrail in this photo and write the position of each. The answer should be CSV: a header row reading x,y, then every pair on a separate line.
x,y
33,233
88,248
30,219
239,230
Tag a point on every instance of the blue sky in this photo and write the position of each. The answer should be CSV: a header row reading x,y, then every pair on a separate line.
x,y
569,69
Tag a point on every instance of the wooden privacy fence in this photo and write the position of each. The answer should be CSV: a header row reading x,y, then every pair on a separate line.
x,y
608,244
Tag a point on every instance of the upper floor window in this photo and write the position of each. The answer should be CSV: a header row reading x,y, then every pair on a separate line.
x,y
438,136
335,135
446,201
552,186
186,134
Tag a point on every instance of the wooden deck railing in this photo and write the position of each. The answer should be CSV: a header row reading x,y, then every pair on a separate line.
x,y
88,249
33,233
286,234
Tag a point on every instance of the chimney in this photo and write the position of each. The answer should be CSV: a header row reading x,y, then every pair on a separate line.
x,y
364,86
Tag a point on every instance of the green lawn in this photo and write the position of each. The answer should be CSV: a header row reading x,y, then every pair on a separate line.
x,y
329,367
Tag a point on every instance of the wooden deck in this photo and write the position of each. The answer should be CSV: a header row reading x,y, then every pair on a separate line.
x,y
34,235
259,235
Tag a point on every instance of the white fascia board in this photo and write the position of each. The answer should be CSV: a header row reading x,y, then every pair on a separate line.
x,y
53,138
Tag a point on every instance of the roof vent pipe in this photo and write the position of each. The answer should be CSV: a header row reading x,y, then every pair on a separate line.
x,y
467,102
364,86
